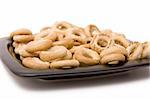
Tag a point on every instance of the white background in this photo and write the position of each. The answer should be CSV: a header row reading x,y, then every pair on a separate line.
x,y
131,17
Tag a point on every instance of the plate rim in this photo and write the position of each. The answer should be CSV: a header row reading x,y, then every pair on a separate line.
x,y
26,72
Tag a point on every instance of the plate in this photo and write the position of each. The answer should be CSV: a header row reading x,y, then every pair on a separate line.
x,y
11,60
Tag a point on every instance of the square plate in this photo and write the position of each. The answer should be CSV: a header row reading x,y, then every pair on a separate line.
x,y
12,61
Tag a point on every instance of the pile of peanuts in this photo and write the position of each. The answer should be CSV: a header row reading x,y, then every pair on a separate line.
x,y
64,46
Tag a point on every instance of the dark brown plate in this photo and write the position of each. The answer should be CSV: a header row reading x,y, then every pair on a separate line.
x,y
12,61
